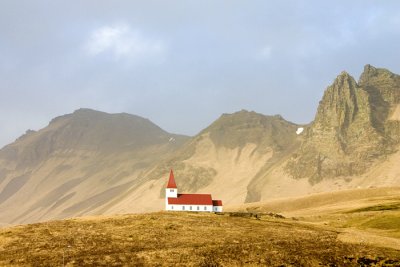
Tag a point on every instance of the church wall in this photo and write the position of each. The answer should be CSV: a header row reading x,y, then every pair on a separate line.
x,y
202,208
217,208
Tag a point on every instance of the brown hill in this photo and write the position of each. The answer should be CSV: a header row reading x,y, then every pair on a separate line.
x,y
77,164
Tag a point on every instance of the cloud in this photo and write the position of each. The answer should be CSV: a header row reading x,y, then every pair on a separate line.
x,y
121,41
241,55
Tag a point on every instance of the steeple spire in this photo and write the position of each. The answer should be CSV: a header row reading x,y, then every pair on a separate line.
x,y
171,181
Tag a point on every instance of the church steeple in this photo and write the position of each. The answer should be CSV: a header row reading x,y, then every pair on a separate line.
x,y
171,181
171,191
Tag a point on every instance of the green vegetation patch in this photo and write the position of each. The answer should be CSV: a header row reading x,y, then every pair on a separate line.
x,y
389,222
380,207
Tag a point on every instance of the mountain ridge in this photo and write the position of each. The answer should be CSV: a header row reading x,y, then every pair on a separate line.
x,y
92,162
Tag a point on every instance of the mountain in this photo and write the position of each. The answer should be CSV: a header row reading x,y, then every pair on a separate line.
x,y
91,162
77,164
225,159
356,125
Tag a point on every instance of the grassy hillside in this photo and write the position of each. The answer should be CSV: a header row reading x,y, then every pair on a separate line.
x,y
184,239
370,216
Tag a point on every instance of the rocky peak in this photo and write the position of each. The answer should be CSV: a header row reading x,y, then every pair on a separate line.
x,y
369,71
372,74
340,103
343,77
342,138
344,81
382,85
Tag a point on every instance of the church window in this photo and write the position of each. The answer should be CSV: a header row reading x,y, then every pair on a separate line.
x,y
198,208
183,207
190,207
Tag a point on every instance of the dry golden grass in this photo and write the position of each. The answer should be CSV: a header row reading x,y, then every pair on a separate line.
x,y
370,216
184,239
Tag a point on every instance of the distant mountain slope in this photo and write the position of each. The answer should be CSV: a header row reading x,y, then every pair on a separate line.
x,y
77,164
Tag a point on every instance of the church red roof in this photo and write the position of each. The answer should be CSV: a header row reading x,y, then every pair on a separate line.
x,y
191,199
171,181
217,203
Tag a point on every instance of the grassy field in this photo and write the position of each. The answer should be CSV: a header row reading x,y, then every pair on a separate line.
x,y
369,216
185,239
382,219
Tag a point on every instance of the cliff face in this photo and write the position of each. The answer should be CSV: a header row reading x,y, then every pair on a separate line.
x,y
381,83
352,128
383,88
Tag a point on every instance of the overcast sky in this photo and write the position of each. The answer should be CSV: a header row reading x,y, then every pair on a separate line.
x,y
182,64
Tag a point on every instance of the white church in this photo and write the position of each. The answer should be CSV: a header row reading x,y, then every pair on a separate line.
x,y
188,202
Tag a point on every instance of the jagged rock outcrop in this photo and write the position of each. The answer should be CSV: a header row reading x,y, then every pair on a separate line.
x,y
351,129
383,88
